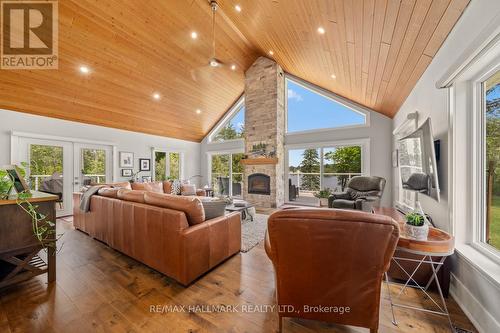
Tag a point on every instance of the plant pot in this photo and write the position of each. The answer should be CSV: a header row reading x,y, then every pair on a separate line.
x,y
323,202
417,232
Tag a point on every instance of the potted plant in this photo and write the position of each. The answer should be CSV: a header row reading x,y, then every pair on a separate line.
x,y
323,195
416,227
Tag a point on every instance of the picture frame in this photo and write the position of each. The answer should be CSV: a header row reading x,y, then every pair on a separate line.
x,y
144,164
126,159
19,182
146,179
127,172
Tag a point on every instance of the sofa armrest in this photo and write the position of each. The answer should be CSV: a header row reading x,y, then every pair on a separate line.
x,y
207,244
335,196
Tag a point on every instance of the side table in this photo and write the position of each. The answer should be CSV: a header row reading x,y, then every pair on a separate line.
x,y
433,251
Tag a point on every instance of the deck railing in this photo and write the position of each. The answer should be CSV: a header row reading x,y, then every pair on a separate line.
x,y
36,180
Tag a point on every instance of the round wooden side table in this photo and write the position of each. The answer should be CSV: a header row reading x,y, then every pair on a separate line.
x,y
438,244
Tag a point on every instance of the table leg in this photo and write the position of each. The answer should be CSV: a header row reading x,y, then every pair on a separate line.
x,y
394,322
51,263
434,273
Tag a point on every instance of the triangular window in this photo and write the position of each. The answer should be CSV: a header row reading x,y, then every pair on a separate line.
x,y
234,127
309,109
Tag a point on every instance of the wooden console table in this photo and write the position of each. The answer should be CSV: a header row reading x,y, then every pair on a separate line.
x,y
19,248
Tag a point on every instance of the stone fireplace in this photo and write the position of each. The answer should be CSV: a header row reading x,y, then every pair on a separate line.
x,y
264,124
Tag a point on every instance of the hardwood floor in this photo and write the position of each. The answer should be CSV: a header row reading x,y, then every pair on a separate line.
x,y
101,290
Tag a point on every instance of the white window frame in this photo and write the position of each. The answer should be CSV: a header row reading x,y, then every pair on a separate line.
x,y
229,152
166,151
233,111
364,143
479,163
354,107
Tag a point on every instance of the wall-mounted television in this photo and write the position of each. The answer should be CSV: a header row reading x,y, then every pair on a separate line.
x,y
417,162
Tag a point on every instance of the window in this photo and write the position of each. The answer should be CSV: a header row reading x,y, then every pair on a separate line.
x,y
309,109
490,232
94,165
320,168
234,126
167,165
44,162
227,174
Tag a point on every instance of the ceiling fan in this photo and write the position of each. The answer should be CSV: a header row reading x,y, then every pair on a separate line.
x,y
213,61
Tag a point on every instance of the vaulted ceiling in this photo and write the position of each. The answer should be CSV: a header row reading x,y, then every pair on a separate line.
x,y
372,52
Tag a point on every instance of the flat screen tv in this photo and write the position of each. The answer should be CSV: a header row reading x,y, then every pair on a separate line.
x,y
417,162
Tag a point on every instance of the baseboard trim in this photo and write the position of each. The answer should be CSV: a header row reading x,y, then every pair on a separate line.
x,y
474,310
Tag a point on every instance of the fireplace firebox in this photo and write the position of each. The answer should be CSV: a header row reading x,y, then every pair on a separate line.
x,y
259,183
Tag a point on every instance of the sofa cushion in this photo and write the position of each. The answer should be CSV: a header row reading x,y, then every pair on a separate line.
x,y
141,186
156,187
167,186
131,195
109,192
214,208
176,187
188,189
121,185
191,206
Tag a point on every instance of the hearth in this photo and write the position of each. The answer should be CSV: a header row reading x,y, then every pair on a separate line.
x,y
259,183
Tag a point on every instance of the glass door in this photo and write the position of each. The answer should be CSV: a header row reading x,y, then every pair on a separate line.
x,y
50,169
93,165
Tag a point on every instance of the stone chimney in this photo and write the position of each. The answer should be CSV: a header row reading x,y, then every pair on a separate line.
x,y
265,123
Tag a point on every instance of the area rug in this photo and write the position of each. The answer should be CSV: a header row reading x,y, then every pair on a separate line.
x,y
253,232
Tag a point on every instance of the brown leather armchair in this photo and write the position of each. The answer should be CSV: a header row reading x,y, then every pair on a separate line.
x,y
328,260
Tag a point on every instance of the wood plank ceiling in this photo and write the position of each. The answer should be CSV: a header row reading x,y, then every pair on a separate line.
x,y
377,50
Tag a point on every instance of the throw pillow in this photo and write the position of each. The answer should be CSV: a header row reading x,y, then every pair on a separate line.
x,y
188,189
176,187
213,208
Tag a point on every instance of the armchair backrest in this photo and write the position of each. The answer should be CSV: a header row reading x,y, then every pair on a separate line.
x,y
362,186
331,258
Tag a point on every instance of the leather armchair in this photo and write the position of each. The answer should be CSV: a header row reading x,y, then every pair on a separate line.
x,y
333,259
362,193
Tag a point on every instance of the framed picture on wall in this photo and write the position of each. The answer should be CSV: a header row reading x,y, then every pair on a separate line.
x,y
126,159
126,172
144,164
146,179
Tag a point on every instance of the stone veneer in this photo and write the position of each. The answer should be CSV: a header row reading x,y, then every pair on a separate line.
x,y
265,123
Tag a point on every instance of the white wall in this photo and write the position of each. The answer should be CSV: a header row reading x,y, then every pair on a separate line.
x,y
379,132
138,143
470,286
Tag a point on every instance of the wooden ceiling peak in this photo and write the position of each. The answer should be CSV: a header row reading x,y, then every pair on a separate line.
x,y
377,50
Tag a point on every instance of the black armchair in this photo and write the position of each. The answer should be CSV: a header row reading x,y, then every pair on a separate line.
x,y
362,193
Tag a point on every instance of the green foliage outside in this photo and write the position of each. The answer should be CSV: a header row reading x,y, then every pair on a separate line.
x,y
495,223
94,162
45,160
229,132
220,168
343,160
161,166
310,164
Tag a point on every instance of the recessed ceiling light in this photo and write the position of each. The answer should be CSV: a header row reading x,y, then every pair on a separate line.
x,y
198,111
156,96
271,52
233,67
84,69
238,8
333,76
321,30
194,35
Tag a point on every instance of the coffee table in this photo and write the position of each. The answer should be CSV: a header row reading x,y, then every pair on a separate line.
x,y
243,210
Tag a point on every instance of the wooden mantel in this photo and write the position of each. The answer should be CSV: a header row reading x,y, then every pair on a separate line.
x,y
259,161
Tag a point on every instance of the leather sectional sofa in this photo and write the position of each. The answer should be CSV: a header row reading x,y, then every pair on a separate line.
x,y
168,233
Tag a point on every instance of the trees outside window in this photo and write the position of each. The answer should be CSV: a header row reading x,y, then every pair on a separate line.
x,y
167,165
234,127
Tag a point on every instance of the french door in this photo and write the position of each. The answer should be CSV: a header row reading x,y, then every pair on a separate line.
x,y
62,167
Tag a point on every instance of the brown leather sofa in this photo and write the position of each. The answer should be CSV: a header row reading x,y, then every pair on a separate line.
x,y
166,232
328,260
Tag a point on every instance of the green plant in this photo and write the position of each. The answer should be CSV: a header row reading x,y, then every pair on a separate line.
x,y
414,219
43,229
323,194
